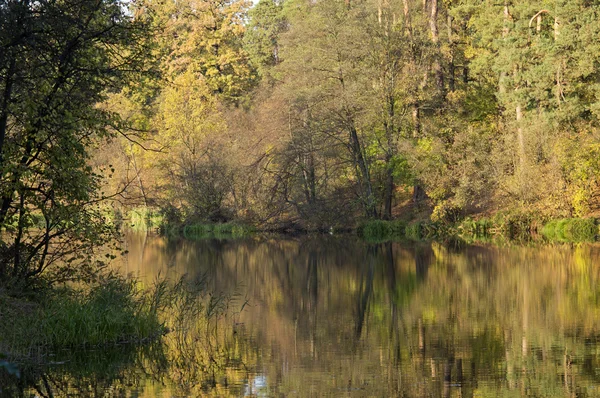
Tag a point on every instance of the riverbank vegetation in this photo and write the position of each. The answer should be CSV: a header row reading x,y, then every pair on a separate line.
x,y
176,330
110,311
287,115
512,227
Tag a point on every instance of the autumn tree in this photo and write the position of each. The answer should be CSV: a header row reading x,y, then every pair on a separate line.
x,y
58,61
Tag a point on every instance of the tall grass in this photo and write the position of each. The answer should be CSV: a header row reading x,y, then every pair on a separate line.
x,y
220,231
380,230
571,230
196,337
476,228
111,312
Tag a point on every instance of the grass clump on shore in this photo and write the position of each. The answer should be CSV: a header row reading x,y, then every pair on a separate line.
x,y
476,228
380,230
219,231
113,311
571,230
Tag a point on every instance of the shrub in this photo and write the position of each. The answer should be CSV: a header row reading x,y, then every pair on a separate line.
x,y
477,228
144,219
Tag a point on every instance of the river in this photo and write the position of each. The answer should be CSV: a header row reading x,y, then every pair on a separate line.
x,y
334,316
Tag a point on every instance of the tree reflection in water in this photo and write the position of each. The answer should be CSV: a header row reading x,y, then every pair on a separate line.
x,y
336,316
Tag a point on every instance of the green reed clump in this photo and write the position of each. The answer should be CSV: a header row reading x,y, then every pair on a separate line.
x,y
514,225
378,230
415,231
571,229
197,231
477,228
221,231
112,311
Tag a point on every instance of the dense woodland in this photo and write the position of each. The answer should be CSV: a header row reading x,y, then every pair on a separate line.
x,y
312,113
324,112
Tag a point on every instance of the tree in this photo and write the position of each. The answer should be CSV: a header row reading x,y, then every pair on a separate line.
x,y
261,40
323,63
207,35
58,61
194,172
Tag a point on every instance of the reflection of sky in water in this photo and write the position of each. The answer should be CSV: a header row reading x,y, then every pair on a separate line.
x,y
258,387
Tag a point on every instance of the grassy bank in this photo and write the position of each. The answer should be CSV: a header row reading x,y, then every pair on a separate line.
x,y
60,340
508,226
168,222
571,230
112,311
224,230
521,226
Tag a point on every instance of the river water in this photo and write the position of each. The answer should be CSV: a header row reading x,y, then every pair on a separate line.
x,y
335,316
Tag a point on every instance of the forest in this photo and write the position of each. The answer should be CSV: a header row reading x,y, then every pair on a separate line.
x,y
319,114
301,115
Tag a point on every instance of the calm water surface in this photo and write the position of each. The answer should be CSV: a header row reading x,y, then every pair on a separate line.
x,y
334,316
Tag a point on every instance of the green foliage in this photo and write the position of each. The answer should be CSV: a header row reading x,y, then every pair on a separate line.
x,y
571,230
514,225
145,219
113,311
414,231
380,230
219,231
361,101
206,37
267,22
446,213
109,314
511,226
476,228
57,63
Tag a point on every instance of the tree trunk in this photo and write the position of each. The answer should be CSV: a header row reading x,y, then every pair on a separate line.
x,y
389,190
418,193
437,67
406,17
365,176
558,69
6,98
520,139
501,80
137,176
451,72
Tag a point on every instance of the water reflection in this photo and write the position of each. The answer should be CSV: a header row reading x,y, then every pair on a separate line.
x,y
339,317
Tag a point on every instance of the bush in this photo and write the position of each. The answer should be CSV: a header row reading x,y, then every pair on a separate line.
x,y
145,219
414,231
514,225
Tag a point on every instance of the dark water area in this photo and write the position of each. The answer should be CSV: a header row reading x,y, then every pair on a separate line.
x,y
335,316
